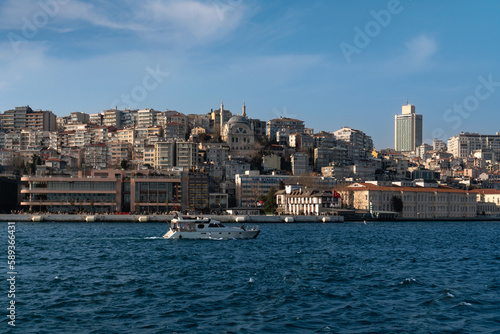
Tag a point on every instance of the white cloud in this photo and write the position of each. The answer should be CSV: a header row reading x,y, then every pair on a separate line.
x,y
171,20
421,49
58,14
188,19
413,56
14,65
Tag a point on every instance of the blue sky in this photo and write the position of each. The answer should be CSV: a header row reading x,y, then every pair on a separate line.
x,y
329,63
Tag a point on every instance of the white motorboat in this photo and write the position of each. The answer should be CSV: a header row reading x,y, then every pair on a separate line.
x,y
206,228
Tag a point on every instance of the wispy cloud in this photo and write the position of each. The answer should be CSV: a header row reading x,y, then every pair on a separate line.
x,y
18,67
198,19
413,56
421,49
168,20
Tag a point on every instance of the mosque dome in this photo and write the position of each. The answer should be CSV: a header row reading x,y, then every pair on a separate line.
x,y
237,119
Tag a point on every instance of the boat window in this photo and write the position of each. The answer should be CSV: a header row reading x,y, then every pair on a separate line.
x,y
220,225
200,226
213,225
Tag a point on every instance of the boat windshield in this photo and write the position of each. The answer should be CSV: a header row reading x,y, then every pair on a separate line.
x,y
215,225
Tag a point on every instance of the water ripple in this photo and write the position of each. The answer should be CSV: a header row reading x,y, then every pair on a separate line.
x,y
324,278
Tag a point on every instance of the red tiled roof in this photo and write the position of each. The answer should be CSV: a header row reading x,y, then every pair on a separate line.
x,y
369,186
486,191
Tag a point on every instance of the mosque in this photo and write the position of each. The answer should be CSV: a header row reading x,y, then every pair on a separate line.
x,y
238,132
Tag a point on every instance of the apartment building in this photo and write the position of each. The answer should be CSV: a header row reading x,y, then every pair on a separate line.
x,y
96,156
488,202
276,124
251,185
24,117
464,144
300,163
118,151
361,145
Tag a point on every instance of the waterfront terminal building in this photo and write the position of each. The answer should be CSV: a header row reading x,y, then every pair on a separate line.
x,y
105,191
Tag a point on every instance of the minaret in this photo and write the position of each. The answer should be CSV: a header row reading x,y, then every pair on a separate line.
x,y
221,113
244,112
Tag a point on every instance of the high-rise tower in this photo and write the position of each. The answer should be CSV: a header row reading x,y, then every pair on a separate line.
x,y
407,129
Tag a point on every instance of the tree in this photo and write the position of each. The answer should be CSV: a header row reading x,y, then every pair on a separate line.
x,y
397,203
269,200
124,164
265,142
256,161
286,164
22,170
310,151
35,161
204,137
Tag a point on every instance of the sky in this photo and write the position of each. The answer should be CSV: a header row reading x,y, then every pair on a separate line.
x,y
329,63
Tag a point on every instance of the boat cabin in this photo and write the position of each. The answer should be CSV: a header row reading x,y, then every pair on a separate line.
x,y
207,226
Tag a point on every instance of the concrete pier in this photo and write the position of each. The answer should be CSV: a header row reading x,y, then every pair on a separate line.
x,y
89,218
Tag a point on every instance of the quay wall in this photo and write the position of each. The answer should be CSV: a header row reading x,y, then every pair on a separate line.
x,y
222,218
162,218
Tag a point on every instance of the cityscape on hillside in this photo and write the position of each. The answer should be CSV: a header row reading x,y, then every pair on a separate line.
x,y
158,161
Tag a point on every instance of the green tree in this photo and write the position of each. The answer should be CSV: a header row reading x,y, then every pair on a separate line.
x,y
269,200
286,164
265,142
35,161
124,164
256,161
204,137
397,203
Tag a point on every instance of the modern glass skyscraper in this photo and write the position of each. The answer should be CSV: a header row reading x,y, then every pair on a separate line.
x,y
407,129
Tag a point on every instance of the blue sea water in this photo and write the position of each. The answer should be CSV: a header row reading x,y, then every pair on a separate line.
x,y
381,277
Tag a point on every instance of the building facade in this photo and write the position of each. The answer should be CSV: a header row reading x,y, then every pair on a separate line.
x,y
251,185
360,144
306,202
300,163
416,202
407,129
464,144
238,134
106,191
276,124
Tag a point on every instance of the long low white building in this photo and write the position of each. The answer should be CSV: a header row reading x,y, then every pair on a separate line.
x,y
419,202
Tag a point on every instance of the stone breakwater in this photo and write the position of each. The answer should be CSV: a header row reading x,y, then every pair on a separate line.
x,y
163,218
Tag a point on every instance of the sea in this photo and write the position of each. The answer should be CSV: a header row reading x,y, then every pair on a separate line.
x,y
354,277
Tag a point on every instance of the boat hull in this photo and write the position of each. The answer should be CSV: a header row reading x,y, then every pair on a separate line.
x,y
222,235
